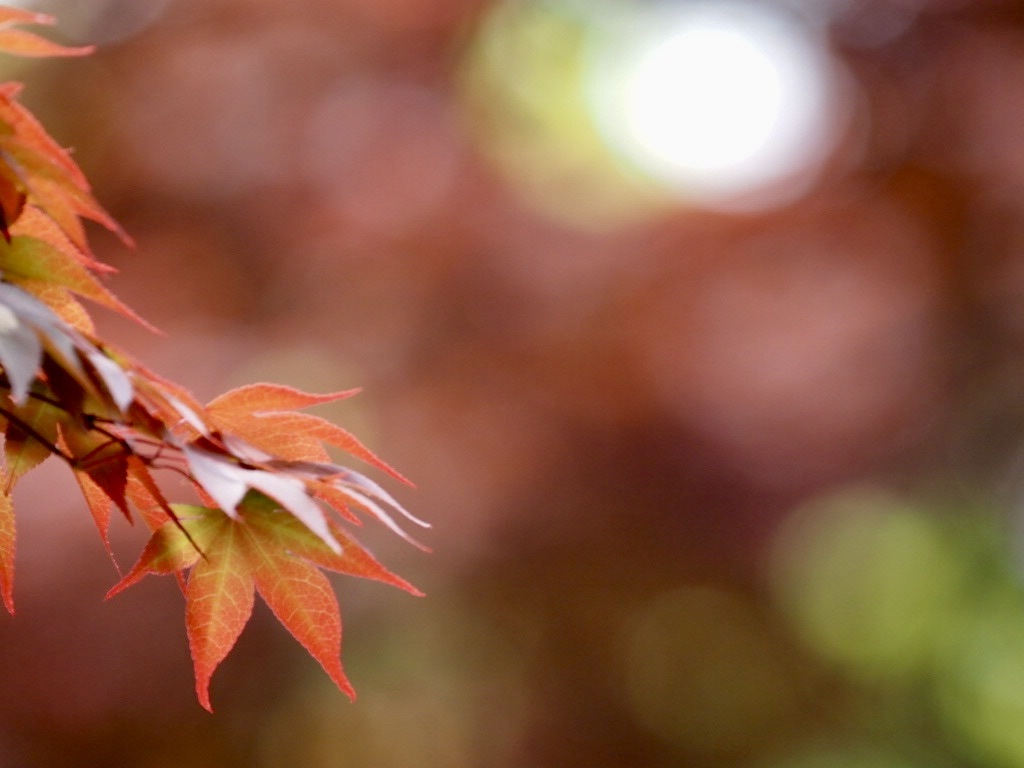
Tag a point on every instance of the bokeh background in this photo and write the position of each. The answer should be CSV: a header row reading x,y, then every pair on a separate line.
x,y
698,326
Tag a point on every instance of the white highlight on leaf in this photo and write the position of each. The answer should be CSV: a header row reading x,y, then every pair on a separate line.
x,y
293,496
8,320
114,378
190,416
244,451
381,514
218,478
227,483
20,355
351,477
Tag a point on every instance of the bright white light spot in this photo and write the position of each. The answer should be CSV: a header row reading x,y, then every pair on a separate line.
x,y
717,100
720,70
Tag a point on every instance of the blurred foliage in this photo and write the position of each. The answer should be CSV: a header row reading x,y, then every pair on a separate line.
x,y
526,95
712,490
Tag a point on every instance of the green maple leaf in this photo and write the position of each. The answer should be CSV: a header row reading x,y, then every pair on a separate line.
x,y
261,549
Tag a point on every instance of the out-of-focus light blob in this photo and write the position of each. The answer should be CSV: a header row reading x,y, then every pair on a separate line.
x,y
730,104
739,103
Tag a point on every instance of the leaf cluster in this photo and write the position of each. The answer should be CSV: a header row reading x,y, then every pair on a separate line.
x,y
271,502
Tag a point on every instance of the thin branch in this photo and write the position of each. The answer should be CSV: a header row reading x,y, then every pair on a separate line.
x,y
37,436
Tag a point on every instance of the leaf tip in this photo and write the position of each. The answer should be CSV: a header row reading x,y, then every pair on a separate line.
x,y
344,685
203,678
79,50
115,590
204,698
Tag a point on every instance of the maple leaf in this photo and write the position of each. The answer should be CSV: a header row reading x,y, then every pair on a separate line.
x,y
253,443
12,199
7,538
22,43
262,469
45,173
264,415
262,549
28,260
29,436
227,475
31,332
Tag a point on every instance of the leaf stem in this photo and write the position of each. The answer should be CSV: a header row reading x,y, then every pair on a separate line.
x,y
37,436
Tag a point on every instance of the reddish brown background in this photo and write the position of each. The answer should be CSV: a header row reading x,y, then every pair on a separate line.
x,y
593,418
